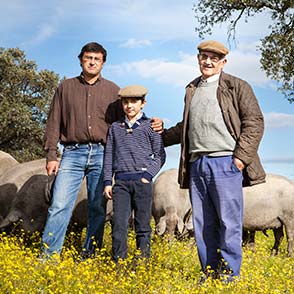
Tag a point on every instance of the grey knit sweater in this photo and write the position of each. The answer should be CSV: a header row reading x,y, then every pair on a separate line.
x,y
208,133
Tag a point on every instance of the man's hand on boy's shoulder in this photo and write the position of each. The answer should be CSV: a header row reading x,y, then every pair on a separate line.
x,y
157,124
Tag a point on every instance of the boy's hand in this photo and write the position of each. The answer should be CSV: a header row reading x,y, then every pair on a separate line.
x,y
157,124
108,192
143,180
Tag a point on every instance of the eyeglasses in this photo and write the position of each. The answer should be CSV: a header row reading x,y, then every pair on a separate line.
x,y
91,58
213,58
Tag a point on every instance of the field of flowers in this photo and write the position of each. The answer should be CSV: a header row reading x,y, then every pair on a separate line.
x,y
173,268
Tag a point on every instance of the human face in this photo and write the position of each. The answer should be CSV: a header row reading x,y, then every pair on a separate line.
x,y
132,107
210,63
92,63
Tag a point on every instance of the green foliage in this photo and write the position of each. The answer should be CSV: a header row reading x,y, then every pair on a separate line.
x,y
25,96
277,49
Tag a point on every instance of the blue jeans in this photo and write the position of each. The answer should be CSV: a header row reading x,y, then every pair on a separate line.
x,y
128,195
78,161
217,207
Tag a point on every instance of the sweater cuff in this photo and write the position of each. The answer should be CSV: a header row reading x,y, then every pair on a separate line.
x,y
107,183
147,176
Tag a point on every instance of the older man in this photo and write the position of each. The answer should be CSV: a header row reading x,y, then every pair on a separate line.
x,y
220,133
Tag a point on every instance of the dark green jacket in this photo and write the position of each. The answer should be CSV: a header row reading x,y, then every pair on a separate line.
x,y
243,118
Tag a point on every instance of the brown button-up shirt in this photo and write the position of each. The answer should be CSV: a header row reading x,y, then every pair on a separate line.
x,y
81,113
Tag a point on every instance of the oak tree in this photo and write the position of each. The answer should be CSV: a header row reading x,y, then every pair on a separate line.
x,y
25,95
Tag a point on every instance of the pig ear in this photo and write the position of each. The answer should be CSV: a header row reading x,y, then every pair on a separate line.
x,y
180,225
161,226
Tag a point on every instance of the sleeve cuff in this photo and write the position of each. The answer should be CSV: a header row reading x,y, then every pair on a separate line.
x,y
147,176
107,183
51,155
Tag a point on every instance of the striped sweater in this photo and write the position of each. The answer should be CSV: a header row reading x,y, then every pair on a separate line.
x,y
132,152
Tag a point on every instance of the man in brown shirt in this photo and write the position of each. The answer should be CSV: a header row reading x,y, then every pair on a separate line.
x,y
81,112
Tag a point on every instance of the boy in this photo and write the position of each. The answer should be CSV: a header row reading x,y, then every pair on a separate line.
x,y
134,154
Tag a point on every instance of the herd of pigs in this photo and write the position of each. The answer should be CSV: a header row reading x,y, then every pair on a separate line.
x,y
25,194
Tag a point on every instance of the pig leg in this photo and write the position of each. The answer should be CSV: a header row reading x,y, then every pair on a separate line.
x,y
279,235
290,237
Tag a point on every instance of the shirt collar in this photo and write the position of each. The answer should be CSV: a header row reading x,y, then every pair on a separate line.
x,y
128,125
139,118
82,78
211,79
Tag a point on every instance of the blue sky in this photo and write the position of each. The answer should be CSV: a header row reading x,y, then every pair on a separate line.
x,y
152,43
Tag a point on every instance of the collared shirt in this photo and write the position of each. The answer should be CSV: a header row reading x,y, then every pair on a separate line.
x,y
130,124
81,113
211,79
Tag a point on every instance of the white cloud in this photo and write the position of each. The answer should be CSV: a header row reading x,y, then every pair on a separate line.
x,y
163,71
45,32
133,43
246,65
120,19
278,120
153,19
116,20
179,73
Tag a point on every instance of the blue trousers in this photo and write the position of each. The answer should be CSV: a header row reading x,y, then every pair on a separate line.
x,y
217,206
78,161
128,195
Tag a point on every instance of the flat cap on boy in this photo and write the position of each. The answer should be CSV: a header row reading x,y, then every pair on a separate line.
x,y
213,46
133,91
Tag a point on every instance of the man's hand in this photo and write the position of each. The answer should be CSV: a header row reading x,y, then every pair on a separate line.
x,y
157,124
239,163
52,167
145,181
108,192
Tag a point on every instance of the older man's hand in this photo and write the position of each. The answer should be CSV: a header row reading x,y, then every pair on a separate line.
x,y
157,124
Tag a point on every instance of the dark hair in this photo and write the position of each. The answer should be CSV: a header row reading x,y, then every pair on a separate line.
x,y
93,47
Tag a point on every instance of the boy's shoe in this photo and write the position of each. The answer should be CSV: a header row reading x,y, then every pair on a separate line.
x,y
206,275
85,255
